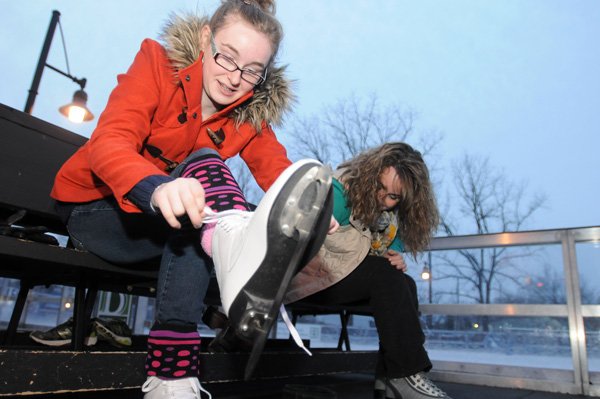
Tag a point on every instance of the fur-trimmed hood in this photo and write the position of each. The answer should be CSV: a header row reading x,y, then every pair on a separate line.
x,y
271,100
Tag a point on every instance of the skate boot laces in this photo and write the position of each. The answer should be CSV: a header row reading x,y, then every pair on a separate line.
x,y
228,219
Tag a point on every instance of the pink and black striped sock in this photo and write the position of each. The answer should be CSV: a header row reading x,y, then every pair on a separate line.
x,y
221,190
173,352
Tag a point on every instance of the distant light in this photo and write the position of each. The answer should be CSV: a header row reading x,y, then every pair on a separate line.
x,y
475,325
425,274
67,305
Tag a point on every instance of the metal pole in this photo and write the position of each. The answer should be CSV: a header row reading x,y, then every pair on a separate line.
x,y
37,77
430,277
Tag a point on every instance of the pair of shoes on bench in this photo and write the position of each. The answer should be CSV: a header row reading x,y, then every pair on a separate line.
x,y
114,331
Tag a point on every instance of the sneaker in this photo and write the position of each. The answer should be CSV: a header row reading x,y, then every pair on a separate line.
x,y
414,387
379,389
256,254
114,331
182,388
62,335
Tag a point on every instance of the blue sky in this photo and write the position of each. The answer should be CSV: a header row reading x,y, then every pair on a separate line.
x,y
515,80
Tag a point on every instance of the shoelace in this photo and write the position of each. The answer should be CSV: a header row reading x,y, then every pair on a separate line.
x,y
198,388
152,383
428,385
293,332
214,217
221,218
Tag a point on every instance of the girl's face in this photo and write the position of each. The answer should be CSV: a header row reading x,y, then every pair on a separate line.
x,y
390,189
239,44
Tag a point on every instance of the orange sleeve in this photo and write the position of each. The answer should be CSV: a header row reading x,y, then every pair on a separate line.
x,y
115,145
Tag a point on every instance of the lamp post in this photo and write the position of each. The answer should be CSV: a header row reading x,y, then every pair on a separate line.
x,y
77,110
426,274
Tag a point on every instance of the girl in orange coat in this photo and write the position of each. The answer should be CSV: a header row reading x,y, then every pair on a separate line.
x,y
152,177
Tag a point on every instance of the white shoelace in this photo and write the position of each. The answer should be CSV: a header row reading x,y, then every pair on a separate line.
x,y
176,386
214,217
293,332
196,384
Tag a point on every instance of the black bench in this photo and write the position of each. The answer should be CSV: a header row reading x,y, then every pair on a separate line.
x,y
31,152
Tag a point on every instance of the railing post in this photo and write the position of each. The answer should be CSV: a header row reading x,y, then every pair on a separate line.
x,y
575,316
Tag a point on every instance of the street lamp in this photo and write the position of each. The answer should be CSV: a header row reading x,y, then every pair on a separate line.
x,y
77,110
427,273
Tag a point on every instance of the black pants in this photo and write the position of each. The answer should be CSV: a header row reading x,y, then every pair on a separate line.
x,y
393,298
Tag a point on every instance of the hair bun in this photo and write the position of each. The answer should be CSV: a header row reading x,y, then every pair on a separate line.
x,y
267,6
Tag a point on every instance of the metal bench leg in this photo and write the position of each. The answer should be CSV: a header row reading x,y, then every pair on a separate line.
x,y
82,313
344,338
79,322
90,301
11,330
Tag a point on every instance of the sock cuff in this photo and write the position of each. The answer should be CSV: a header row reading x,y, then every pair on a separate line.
x,y
181,328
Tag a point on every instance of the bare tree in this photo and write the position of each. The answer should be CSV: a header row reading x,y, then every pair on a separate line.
x,y
353,125
485,202
341,131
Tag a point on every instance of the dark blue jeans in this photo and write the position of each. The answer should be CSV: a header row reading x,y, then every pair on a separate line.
x,y
102,228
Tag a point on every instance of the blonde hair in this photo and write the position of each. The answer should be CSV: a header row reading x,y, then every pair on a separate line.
x,y
258,13
418,215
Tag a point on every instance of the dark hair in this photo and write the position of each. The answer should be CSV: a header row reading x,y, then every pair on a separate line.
x,y
258,13
417,209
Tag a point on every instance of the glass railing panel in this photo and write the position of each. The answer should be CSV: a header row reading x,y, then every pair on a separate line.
x,y
588,264
592,341
521,275
538,342
47,307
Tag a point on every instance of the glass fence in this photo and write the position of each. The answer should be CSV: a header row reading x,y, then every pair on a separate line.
x,y
516,309
511,309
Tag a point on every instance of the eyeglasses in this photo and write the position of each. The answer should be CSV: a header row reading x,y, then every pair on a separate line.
x,y
229,65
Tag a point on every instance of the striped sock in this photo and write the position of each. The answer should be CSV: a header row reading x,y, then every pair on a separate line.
x,y
221,190
173,352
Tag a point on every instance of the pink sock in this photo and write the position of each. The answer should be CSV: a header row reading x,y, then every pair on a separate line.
x,y
206,234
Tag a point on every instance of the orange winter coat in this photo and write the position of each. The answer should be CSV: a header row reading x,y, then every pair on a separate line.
x,y
148,106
